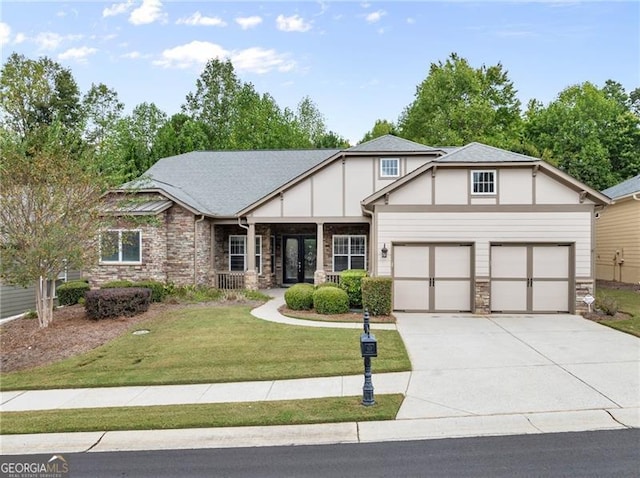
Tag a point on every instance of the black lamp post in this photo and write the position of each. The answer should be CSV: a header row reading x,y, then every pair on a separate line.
x,y
368,349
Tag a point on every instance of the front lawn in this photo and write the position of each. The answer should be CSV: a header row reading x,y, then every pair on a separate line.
x,y
203,344
286,412
628,301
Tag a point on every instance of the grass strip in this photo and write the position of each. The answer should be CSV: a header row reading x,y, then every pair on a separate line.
x,y
628,302
285,412
212,345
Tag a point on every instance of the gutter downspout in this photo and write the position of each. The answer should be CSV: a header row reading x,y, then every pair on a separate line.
x,y
195,249
373,237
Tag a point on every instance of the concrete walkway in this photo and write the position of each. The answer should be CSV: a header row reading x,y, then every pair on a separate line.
x,y
472,376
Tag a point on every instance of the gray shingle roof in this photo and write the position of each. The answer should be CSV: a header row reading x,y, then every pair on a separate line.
x,y
220,183
153,206
625,188
482,153
390,144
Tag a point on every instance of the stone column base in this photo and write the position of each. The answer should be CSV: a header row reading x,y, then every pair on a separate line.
x,y
251,280
319,277
482,297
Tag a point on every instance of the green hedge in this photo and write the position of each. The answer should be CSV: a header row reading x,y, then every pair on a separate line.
x,y
115,302
158,290
328,284
351,282
299,297
330,300
376,295
71,292
116,284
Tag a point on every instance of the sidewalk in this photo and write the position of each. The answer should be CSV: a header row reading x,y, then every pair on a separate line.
x,y
543,395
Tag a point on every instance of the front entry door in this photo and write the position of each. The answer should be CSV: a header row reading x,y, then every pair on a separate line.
x,y
299,259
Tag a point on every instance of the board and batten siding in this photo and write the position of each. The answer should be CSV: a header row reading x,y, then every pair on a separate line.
x,y
334,190
484,228
617,238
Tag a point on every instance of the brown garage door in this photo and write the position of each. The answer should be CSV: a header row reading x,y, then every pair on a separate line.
x,y
531,278
432,277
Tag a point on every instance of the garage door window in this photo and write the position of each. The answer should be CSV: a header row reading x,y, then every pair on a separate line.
x,y
349,252
483,182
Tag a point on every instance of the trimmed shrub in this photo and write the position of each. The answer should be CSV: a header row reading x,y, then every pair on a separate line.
x,y
376,295
299,297
116,284
71,292
158,292
351,282
110,303
330,300
328,284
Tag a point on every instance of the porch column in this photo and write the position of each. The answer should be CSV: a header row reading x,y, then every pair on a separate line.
x,y
319,276
250,275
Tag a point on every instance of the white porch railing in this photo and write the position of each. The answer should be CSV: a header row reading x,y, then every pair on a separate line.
x,y
228,280
333,277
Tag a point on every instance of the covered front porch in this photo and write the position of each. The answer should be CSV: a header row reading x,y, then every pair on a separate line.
x,y
259,256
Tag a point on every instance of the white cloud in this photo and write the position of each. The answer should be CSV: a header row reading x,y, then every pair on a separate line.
x,y
78,54
197,53
149,12
258,60
20,38
192,54
5,33
376,16
411,21
48,40
294,23
198,19
117,9
248,22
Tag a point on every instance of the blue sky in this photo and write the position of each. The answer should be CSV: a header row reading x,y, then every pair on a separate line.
x,y
358,61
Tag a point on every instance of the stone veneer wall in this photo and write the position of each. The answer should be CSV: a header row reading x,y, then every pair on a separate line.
x,y
331,230
180,235
583,288
154,254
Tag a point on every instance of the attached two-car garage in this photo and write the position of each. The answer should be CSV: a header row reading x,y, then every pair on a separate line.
x,y
524,278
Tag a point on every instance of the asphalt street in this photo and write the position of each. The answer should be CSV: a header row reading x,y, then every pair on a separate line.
x,y
585,454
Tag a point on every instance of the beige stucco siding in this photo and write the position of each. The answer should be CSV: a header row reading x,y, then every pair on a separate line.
x,y
452,186
328,193
515,186
417,191
483,228
550,191
358,184
297,200
617,238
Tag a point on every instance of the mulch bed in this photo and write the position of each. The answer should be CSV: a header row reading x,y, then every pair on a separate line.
x,y
349,317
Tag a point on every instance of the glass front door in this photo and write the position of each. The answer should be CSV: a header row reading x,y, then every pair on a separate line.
x,y
299,259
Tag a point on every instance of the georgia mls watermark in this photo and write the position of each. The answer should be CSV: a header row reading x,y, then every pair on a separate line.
x,y
34,467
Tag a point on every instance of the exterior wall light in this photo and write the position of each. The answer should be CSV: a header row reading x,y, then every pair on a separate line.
x,y
384,251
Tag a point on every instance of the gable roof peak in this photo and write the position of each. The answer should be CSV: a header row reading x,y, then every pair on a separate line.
x,y
390,143
626,188
476,152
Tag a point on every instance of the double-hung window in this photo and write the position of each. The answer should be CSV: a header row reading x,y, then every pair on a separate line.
x,y
349,252
389,167
238,253
483,182
121,246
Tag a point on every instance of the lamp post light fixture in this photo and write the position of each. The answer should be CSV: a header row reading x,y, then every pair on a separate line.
x,y
368,349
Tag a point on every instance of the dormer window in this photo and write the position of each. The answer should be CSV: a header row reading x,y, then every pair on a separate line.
x,y
389,167
483,182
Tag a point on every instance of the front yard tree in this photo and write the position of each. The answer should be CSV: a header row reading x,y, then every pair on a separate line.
x,y
457,104
36,93
48,214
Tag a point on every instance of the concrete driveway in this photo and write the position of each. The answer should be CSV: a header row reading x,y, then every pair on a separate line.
x,y
465,365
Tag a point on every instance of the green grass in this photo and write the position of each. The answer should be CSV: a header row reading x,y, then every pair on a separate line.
x,y
628,302
289,412
200,344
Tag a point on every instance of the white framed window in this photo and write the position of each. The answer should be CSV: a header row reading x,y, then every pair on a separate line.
x,y
349,252
121,246
389,167
238,253
273,254
483,182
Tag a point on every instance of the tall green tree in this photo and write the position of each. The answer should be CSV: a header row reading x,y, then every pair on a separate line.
x,y
48,214
457,104
591,133
37,93
380,128
180,134
102,110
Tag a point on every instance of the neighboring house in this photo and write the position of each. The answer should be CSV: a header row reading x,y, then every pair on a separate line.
x,y
618,234
474,228
16,300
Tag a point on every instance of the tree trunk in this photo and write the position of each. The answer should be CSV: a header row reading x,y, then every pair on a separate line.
x,y
45,293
